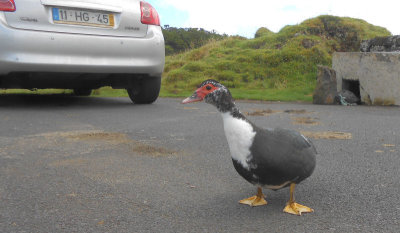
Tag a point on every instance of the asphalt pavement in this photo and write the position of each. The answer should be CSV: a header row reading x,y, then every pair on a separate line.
x,y
85,164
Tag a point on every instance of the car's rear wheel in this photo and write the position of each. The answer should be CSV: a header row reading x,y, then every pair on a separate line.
x,y
146,90
82,92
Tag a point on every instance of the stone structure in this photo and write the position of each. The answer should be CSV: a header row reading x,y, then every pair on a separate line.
x,y
325,91
374,77
381,44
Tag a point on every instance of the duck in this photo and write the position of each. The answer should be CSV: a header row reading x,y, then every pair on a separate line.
x,y
271,158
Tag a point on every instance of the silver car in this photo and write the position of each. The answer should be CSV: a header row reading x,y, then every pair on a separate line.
x,y
82,45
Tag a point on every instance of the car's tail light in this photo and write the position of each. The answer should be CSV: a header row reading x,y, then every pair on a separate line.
x,y
149,15
7,5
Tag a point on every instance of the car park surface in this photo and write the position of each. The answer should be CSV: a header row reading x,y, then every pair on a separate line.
x,y
70,164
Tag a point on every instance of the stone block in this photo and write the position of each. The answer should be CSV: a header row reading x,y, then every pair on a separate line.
x,y
325,91
381,44
376,73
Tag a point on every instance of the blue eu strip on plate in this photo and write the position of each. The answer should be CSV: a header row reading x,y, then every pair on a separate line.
x,y
56,15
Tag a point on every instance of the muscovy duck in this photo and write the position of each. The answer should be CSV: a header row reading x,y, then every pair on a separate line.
x,y
267,158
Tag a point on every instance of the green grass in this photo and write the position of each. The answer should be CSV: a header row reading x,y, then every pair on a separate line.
x,y
288,94
109,92
102,92
36,91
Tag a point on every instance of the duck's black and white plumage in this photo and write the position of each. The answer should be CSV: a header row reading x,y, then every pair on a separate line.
x,y
268,158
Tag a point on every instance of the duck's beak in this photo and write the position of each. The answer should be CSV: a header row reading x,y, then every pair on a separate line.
x,y
194,98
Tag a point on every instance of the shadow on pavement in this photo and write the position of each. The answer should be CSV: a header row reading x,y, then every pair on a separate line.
x,y
59,100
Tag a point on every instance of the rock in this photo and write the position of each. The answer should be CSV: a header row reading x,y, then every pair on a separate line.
x,y
346,97
307,43
381,44
325,91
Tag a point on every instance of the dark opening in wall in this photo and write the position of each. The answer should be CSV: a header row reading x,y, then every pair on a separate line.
x,y
352,85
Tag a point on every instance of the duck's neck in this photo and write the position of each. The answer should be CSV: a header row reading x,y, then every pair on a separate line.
x,y
235,112
226,104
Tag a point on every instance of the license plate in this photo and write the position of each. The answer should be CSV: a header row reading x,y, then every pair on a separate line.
x,y
83,17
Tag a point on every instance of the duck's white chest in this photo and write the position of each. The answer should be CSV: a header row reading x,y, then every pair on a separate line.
x,y
240,135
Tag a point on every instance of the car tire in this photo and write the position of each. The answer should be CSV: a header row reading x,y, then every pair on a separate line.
x,y
146,90
82,92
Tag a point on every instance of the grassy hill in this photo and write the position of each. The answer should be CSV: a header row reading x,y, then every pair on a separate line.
x,y
272,66
181,39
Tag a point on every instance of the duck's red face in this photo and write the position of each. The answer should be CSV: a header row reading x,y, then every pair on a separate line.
x,y
200,93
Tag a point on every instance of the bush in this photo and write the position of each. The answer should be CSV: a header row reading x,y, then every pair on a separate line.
x,y
263,31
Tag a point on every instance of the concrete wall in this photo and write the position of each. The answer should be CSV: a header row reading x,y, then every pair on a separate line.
x,y
377,72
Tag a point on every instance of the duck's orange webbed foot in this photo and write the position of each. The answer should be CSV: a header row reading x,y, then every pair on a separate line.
x,y
294,208
257,200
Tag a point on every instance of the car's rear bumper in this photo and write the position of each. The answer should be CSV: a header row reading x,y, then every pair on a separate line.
x,y
76,53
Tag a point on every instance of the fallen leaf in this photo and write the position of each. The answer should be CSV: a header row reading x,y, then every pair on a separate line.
x,y
304,121
388,145
190,186
261,112
296,111
327,135
379,151
101,222
190,108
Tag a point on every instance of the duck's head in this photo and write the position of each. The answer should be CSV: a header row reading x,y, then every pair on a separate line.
x,y
214,93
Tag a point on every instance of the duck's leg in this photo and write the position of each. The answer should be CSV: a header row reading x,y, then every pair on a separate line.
x,y
256,200
292,207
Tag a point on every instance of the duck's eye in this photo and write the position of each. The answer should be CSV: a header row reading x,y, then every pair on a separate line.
x,y
208,88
